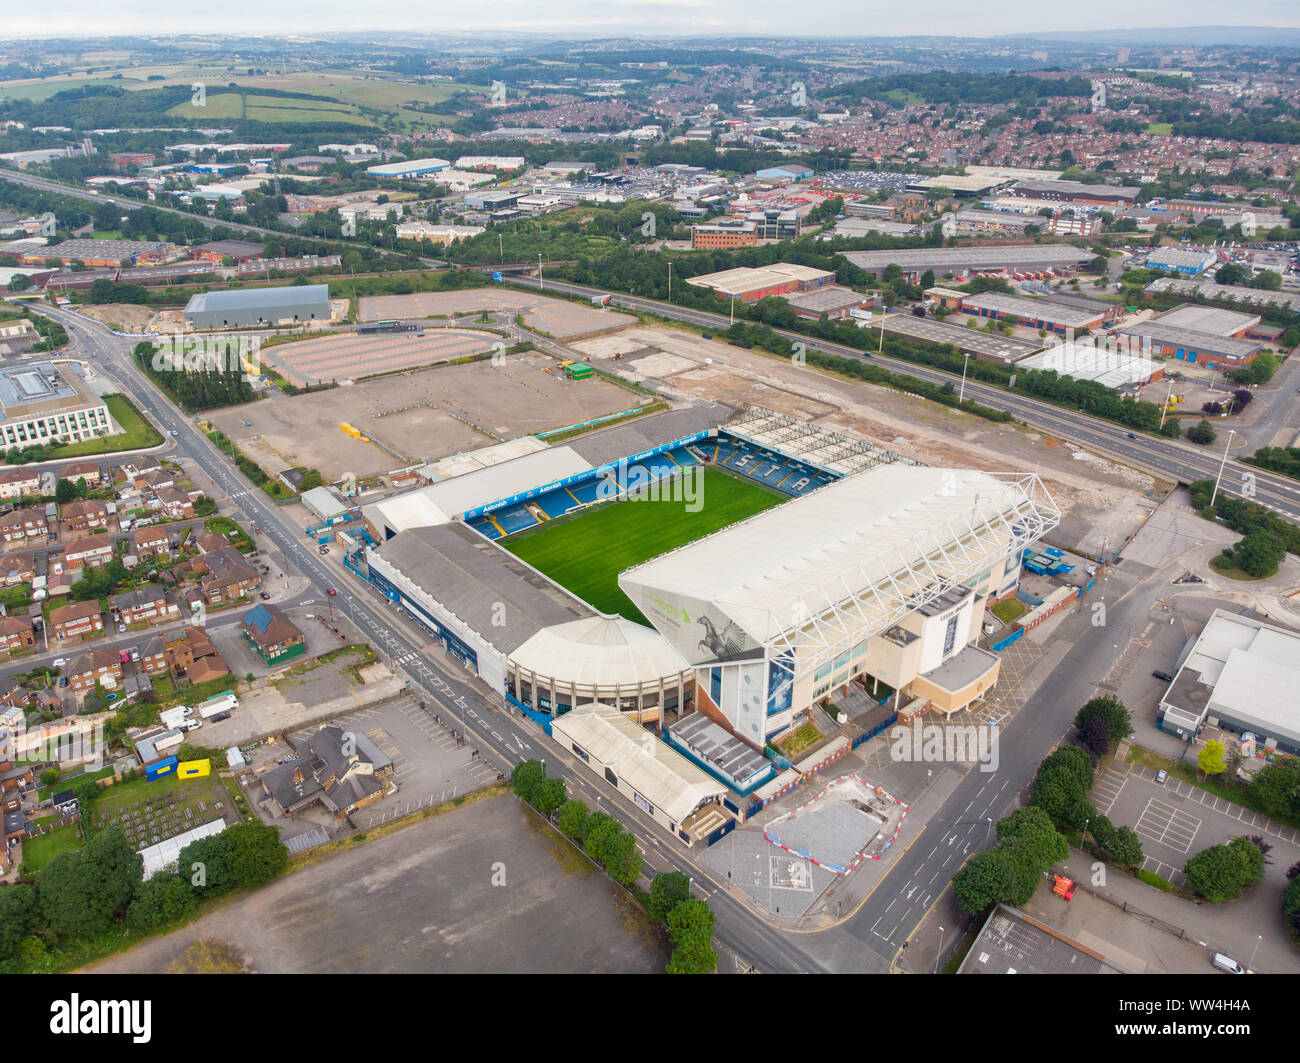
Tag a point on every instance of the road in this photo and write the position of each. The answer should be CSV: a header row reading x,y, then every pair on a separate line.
x,y
1171,459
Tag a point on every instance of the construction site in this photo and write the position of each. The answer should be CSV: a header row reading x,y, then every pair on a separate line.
x,y
552,317
417,416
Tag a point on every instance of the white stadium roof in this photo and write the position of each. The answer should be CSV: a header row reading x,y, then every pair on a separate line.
x,y
850,559
600,651
653,769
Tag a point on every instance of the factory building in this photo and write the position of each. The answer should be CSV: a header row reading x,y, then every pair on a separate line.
x,y
1076,192
1195,348
960,261
749,285
259,306
1175,260
410,168
723,236
1032,313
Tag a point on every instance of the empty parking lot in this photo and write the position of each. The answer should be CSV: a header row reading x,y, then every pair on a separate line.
x,y
555,317
349,356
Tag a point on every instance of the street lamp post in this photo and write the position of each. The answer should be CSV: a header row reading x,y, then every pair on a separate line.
x,y
961,397
939,956
1084,836
988,830
1215,493
1251,962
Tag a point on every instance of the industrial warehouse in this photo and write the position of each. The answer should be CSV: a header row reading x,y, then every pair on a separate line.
x,y
859,563
962,260
259,306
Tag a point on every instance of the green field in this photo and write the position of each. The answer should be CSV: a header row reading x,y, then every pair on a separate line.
x,y
229,104
1160,129
587,551
37,852
137,433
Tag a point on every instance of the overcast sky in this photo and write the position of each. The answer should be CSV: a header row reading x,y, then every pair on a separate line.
x,y
610,17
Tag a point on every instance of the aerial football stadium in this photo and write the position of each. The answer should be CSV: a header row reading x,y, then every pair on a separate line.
x,y
741,565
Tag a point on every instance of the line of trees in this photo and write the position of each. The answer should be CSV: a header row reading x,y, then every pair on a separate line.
x,y
1266,536
203,388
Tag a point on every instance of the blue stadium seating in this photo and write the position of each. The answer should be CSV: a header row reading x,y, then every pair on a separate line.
x,y
586,491
514,519
555,503
486,527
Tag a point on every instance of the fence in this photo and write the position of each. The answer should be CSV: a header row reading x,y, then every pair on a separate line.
x,y
1002,644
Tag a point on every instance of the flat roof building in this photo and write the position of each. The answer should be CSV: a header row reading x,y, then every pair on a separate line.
x,y
408,168
750,285
987,346
41,402
1188,263
1076,192
259,306
1232,293
1033,313
961,260
1210,320
1195,348
101,252
1241,675
1116,368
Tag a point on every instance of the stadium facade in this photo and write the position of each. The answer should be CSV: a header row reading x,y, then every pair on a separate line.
x,y
872,566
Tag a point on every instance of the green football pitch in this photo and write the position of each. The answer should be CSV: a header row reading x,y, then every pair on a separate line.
x,y
585,552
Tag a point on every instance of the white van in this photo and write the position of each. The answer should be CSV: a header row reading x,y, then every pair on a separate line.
x,y
1227,963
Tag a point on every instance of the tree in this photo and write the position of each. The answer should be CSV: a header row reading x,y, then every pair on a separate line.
x,y
1259,553
1225,872
1211,758
65,491
1291,905
160,901
1030,841
986,879
256,853
1094,736
1110,711
84,890
690,926
927,280
621,859
573,814
1201,433
20,913
526,776
206,864
19,282
668,890
1232,273
548,795
49,776
1124,847
596,833
1277,788
1062,784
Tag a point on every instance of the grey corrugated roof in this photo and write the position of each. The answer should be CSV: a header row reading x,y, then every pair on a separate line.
x,y
481,584
259,298
623,440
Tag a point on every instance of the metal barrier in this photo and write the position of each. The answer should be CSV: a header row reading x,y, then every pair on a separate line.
x,y
1002,644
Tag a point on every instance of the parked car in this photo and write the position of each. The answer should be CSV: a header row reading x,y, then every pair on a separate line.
x,y
63,680
58,662
1165,676
123,657
331,591
323,550
121,629
219,717
265,597
1162,776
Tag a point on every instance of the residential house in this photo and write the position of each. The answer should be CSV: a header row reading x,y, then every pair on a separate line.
x,y
23,524
138,466
155,480
151,544
229,577
88,514
174,503
191,651
18,567
90,471
209,541
272,634
93,550
153,656
144,605
96,666
18,483
16,633
76,620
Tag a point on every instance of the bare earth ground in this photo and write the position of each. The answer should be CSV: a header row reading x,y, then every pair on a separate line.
x,y
478,889
125,317
1100,500
418,414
